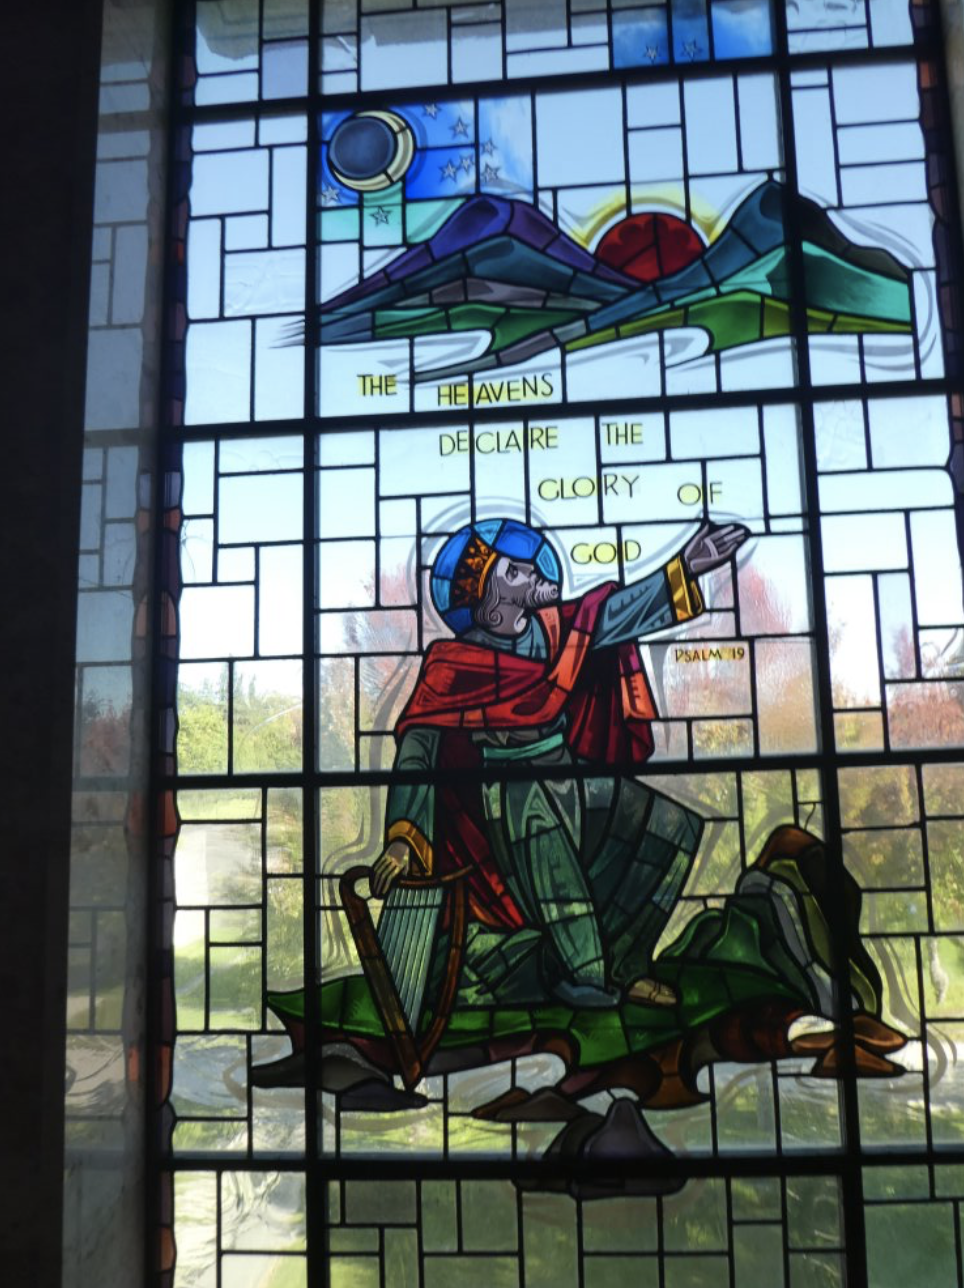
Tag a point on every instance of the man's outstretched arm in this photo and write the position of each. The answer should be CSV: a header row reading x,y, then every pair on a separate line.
x,y
671,594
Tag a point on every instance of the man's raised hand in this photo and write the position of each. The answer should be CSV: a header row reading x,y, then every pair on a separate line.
x,y
713,546
391,864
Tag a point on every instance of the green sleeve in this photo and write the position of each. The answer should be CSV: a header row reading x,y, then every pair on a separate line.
x,y
410,812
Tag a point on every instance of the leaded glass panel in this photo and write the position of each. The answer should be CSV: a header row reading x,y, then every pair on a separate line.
x,y
560,647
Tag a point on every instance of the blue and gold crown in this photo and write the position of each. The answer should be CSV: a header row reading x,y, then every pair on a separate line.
x,y
465,561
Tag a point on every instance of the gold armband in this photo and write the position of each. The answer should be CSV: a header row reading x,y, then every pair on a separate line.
x,y
687,600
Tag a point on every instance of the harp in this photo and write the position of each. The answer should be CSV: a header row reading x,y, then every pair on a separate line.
x,y
396,956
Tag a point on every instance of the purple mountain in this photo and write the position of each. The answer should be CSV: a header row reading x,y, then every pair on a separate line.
x,y
483,220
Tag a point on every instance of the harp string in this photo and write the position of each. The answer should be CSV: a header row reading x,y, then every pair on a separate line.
x,y
412,946
388,926
420,964
434,902
406,933
406,914
424,930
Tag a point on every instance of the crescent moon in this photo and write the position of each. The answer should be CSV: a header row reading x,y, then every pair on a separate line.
x,y
404,154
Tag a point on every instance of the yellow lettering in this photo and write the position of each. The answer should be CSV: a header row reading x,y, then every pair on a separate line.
x,y
494,392
542,438
626,433
370,386
453,395
711,653
457,442
604,552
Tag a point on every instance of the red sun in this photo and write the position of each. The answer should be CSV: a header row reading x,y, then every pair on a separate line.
x,y
649,246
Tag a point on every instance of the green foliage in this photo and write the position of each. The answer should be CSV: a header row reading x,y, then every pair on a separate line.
x,y
202,735
267,728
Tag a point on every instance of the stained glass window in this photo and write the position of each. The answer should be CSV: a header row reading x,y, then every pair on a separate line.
x,y
560,648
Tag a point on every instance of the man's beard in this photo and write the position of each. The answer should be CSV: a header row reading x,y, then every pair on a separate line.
x,y
519,601
539,593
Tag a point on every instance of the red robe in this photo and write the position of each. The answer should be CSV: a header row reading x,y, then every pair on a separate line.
x,y
463,688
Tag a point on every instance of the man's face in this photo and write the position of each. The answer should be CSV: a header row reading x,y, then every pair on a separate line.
x,y
521,585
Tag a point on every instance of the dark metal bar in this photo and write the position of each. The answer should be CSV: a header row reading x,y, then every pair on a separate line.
x,y
351,1167
853,1210
315,1191
567,82
508,772
542,412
